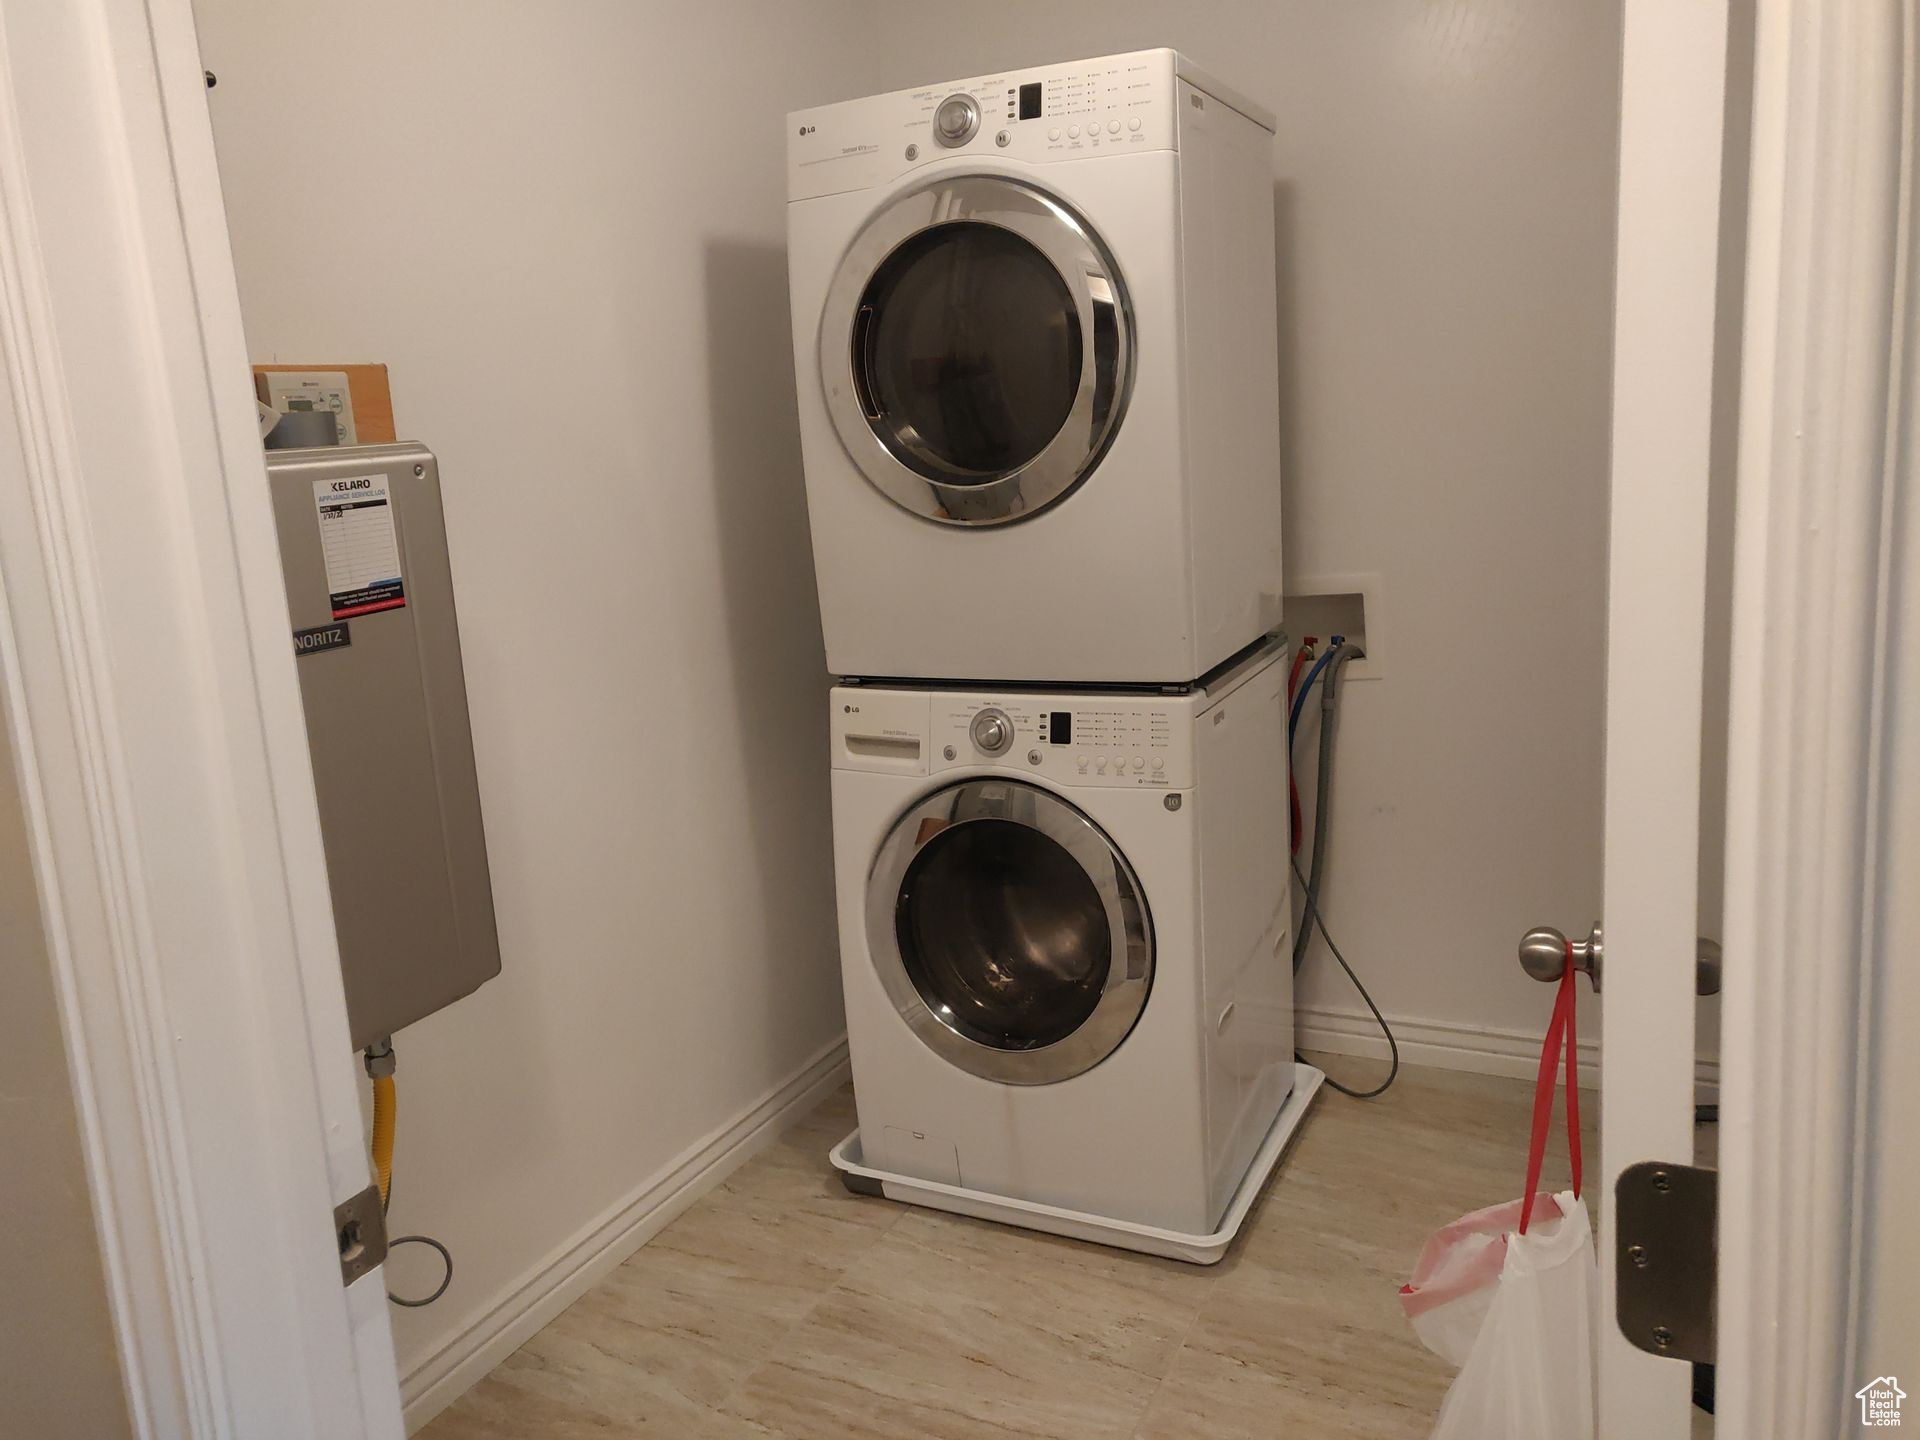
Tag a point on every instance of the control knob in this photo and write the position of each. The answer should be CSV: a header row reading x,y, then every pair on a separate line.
x,y
956,121
992,732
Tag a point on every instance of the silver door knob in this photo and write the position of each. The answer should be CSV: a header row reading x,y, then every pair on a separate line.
x,y
1544,952
1706,966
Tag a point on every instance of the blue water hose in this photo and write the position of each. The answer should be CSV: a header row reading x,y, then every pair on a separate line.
x,y
1300,695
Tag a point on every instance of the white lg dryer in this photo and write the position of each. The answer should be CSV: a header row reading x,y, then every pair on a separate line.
x,y
1034,335
1064,930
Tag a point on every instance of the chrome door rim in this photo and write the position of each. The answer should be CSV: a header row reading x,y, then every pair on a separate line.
x,y
1106,367
1130,970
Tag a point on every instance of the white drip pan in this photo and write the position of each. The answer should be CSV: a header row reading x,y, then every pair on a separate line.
x,y
1077,1225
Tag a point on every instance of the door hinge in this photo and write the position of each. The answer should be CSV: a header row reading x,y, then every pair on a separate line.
x,y
361,1231
1666,1242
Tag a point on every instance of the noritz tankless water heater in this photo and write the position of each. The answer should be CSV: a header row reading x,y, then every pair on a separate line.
x,y
377,647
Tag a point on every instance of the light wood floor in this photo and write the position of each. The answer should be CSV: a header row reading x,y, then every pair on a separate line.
x,y
782,1306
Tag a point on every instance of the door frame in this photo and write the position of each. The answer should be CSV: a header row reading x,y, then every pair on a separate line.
x,y
154,716
1823,790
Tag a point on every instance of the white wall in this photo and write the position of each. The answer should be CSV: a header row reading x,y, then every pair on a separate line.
x,y
59,1365
1444,178
562,226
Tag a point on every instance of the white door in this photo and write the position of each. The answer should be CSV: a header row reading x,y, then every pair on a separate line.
x,y
154,720
1674,67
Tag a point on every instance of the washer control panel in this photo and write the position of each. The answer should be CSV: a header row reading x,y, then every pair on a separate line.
x,y
1112,739
1072,740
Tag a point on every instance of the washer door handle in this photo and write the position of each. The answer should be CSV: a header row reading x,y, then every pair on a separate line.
x,y
862,388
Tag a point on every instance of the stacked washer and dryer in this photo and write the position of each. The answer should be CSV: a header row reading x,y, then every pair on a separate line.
x,y
1035,342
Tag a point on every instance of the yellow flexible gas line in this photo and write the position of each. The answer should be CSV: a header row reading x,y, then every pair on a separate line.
x,y
384,1103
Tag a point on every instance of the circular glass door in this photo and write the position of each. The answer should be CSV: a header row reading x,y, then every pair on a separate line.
x,y
1009,932
966,352
975,350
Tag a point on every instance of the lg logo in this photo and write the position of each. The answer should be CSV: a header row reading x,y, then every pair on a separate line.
x,y
808,129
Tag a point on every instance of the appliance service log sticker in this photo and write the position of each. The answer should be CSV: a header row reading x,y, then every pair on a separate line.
x,y
356,536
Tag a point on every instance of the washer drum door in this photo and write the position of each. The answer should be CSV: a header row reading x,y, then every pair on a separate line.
x,y
976,350
1009,932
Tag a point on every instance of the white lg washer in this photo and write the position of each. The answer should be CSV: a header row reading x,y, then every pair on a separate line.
x,y
1034,336
1064,923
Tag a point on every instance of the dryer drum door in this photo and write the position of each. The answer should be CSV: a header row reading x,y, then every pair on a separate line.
x,y
1009,932
976,350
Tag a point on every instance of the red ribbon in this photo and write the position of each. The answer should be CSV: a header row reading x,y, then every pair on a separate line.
x,y
1560,1036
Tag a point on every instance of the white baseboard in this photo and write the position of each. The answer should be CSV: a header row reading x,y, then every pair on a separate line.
x,y
1483,1050
573,1268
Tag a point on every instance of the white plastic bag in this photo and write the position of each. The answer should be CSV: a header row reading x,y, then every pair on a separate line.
x,y
1454,1279
1529,1374
1509,1293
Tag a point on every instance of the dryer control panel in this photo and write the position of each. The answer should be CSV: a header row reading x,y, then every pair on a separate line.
x,y
1078,110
